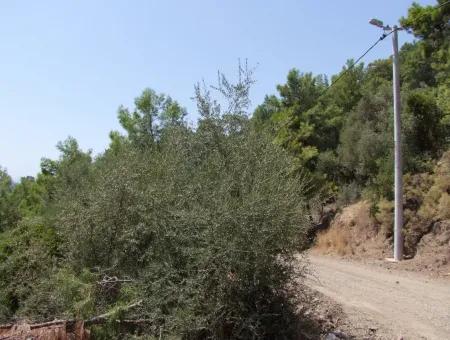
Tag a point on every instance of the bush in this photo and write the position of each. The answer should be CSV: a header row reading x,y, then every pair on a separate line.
x,y
348,194
205,223
426,200
26,257
385,216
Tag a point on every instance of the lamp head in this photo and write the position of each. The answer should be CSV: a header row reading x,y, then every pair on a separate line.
x,y
376,22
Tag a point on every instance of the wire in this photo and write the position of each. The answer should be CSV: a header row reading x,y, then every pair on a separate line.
x,y
371,47
357,61
443,4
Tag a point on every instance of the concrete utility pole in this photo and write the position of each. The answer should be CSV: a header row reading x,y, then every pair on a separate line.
x,y
398,222
398,167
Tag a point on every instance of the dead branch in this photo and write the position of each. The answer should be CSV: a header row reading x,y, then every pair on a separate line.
x,y
72,325
104,317
52,323
107,280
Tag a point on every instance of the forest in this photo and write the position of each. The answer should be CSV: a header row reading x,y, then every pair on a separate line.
x,y
190,232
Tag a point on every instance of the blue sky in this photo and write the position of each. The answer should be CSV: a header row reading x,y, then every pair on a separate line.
x,y
66,66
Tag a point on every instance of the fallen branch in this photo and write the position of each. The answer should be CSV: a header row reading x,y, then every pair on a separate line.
x,y
112,279
104,317
134,321
52,323
71,325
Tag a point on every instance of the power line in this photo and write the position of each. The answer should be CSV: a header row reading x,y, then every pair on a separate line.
x,y
356,61
371,47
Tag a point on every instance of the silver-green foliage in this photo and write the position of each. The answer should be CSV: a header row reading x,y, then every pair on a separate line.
x,y
206,223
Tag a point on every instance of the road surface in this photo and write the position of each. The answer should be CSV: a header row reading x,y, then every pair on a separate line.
x,y
395,303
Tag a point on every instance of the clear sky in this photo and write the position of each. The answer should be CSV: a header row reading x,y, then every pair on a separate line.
x,y
66,66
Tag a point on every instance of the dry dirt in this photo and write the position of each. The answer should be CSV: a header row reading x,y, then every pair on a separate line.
x,y
354,234
381,303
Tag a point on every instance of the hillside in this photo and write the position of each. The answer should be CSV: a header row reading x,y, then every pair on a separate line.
x,y
364,230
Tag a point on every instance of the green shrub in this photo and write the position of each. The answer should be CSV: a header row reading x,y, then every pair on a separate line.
x,y
206,223
348,194
26,257
426,200
385,216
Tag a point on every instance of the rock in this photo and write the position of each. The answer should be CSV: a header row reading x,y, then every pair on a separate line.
x,y
336,335
340,335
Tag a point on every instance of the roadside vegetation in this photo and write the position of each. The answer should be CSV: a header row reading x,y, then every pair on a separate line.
x,y
191,232
342,135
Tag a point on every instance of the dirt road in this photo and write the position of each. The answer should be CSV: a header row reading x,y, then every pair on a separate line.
x,y
391,303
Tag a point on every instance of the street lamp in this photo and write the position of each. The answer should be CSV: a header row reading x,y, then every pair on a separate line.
x,y
398,169
376,22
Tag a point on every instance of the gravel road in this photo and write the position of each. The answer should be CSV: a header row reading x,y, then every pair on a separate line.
x,y
392,304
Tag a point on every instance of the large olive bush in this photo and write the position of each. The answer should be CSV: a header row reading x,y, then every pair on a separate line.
x,y
205,223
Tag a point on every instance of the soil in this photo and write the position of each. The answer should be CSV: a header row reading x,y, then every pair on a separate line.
x,y
370,301
354,234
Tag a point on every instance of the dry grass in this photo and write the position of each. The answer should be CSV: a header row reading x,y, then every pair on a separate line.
x,y
352,232
336,241
426,231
